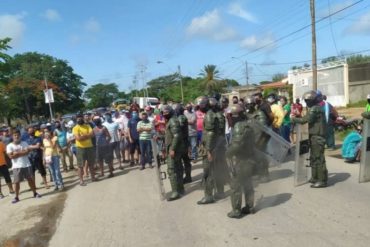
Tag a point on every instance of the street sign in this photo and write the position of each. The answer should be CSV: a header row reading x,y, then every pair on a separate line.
x,y
49,96
365,153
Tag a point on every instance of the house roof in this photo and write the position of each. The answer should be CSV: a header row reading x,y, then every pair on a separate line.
x,y
278,84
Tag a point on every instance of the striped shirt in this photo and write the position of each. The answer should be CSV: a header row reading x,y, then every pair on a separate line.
x,y
145,135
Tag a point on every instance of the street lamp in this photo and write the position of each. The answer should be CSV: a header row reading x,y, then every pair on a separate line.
x,y
180,77
246,69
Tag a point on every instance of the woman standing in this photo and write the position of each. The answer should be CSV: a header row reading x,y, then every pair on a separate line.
x,y
51,158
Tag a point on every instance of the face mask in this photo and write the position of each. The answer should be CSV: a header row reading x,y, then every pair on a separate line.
x,y
108,118
97,122
80,121
235,102
167,116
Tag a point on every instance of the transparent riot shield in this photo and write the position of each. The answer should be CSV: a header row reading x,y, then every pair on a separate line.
x,y
365,152
302,154
270,144
159,174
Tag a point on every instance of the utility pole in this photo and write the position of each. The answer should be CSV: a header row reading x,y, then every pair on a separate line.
x,y
182,92
314,57
246,73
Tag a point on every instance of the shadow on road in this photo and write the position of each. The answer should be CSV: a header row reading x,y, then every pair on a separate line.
x,y
272,201
280,174
335,178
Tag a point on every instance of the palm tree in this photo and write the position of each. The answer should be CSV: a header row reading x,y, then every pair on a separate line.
x,y
212,82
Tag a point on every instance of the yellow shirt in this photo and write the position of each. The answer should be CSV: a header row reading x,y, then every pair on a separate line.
x,y
84,129
278,113
49,150
37,133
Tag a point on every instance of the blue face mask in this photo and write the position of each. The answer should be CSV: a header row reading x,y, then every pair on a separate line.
x,y
108,118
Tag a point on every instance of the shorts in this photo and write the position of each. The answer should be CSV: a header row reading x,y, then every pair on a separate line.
x,y
134,146
104,153
85,154
124,144
5,172
37,164
22,173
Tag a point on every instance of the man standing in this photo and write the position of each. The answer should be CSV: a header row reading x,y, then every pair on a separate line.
x,y
61,133
296,112
192,127
213,130
114,133
277,112
22,169
4,170
133,136
285,126
35,155
184,126
145,127
174,149
85,150
331,115
240,155
317,131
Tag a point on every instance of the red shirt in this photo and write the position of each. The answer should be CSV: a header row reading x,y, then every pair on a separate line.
x,y
296,110
159,127
200,117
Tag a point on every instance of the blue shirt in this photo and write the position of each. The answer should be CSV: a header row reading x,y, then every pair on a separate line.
x,y
62,137
132,125
32,140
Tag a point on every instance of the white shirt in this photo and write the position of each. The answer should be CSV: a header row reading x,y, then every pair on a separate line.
x,y
113,131
20,162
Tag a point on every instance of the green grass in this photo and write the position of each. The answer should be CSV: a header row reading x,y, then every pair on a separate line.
x,y
361,103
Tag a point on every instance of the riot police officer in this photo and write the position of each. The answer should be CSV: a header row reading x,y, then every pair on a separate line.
x,y
241,161
317,125
210,144
179,111
174,150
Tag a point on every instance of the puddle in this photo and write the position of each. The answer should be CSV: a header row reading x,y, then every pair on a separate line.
x,y
40,234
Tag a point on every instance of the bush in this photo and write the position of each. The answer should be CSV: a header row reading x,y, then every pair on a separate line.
x,y
361,103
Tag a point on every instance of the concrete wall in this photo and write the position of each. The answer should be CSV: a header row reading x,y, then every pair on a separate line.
x,y
358,90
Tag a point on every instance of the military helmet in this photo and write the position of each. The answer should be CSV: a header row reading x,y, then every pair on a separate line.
x,y
178,108
167,110
311,98
272,98
213,102
236,110
249,100
310,95
202,100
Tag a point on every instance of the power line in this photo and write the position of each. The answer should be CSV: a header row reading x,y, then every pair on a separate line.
x,y
331,29
300,29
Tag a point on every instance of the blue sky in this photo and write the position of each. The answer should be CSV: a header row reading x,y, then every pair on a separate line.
x,y
112,41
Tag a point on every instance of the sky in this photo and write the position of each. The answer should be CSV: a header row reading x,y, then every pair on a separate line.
x,y
116,41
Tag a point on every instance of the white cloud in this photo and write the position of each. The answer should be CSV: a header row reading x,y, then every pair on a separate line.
x,y
254,42
51,15
92,26
12,26
211,26
360,26
237,10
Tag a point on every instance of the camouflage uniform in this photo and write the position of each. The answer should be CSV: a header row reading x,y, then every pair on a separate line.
x,y
317,133
185,156
240,155
174,142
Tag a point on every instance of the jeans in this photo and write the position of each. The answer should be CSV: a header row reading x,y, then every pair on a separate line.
x,y
285,132
193,145
330,138
145,149
54,168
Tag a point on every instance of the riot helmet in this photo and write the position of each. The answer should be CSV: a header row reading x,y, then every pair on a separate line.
x,y
178,109
213,103
203,103
168,112
250,104
237,113
311,98
272,98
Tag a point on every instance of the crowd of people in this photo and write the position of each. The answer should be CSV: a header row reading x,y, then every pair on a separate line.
x,y
212,128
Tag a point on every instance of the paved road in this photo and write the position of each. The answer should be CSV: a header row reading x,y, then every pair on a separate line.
x,y
126,211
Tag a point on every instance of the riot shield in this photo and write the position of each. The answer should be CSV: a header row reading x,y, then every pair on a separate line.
x,y
365,152
159,174
270,144
302,154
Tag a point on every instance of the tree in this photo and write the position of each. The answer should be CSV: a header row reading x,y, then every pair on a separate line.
x,y
278,77
101,95
26,81
329,59
358,59
211,81
264,82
